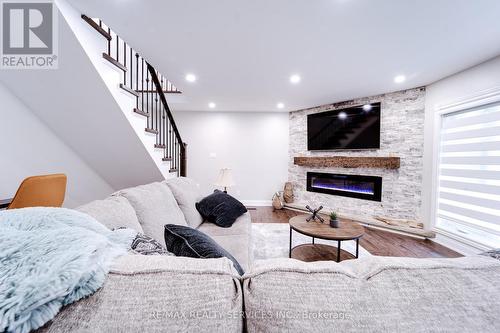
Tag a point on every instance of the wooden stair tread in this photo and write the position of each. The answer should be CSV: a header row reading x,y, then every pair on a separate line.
x,y
166,159
114,62
142,113
150,130
173,170
127,89
159,146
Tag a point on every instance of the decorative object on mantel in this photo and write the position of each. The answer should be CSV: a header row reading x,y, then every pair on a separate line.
x,y
278,200
288,192
348,162
370,220
314,215
334,222
225,179
400,222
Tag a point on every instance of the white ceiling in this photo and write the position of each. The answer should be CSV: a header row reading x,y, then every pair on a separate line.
x,y
244,51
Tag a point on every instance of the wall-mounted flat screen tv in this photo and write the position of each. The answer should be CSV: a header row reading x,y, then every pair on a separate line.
x,y
357,127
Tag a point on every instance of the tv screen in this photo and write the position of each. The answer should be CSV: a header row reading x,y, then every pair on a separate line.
x,y
356,127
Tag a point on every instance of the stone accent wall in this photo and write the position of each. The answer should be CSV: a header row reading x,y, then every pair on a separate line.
x,y
402,135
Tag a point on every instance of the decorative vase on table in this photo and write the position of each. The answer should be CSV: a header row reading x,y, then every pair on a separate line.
x,y
334,222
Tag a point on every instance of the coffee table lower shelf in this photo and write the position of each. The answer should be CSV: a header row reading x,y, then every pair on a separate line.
x,y
319,252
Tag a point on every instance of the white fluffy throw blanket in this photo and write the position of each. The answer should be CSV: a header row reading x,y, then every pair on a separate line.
x,y
51,257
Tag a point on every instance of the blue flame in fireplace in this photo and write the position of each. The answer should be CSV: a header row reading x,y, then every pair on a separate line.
x,y
366,188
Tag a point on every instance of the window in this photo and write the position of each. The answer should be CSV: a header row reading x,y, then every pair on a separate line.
x,y
468,200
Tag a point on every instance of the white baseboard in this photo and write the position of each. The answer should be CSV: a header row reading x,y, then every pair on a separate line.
x,y
257,203
457,245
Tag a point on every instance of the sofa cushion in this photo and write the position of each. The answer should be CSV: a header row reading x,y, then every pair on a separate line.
x,y
159,294
155,206
188,242
374,294
242,226
220,208
113,212
235,240
187,193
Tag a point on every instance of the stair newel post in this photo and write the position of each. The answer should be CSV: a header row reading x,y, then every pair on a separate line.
x,y
175,155
183,171
137,78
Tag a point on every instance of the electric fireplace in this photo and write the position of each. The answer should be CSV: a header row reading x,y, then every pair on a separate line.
x,y
353,186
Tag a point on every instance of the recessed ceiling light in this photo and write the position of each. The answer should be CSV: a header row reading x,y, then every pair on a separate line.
x,y
400,79
295,79
367,107
342,115
280,105
190,77
211,105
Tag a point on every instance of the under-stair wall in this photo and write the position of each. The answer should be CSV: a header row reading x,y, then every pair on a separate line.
x,y
83,104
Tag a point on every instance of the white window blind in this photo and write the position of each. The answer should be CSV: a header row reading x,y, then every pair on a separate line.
x,y
469,175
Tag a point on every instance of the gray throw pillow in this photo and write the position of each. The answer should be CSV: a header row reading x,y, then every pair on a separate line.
x,y
188,242
155,206
187,193
113,212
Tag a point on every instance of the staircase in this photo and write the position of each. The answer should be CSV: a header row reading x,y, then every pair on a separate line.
x,y
149,88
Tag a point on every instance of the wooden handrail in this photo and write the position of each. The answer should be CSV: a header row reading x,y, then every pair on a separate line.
x,y
182,153
141,80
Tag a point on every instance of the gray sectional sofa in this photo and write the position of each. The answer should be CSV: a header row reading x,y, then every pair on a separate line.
x,y
175,294
147,208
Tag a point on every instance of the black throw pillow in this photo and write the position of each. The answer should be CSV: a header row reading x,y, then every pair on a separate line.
x,y
220,208
188,242
492,253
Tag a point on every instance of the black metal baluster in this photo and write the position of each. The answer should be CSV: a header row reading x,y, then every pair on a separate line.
x,y
117,48
137,78
170,155
109,42
142,85
152,103
125,63
131,70
147,99
156,122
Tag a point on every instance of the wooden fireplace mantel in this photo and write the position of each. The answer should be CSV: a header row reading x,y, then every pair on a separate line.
x,y
348,162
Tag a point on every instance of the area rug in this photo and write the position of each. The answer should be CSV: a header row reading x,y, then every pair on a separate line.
x,y
271,240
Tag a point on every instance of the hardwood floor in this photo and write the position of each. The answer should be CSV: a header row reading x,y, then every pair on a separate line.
x,y
377,242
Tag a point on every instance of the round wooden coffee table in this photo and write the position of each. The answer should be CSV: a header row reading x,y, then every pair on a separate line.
x,y
347,230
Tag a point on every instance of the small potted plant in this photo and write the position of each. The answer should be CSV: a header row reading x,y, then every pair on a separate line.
x,y
334,222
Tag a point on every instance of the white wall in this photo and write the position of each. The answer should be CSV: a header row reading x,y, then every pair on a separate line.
x,y
449,90
253,145
28,147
